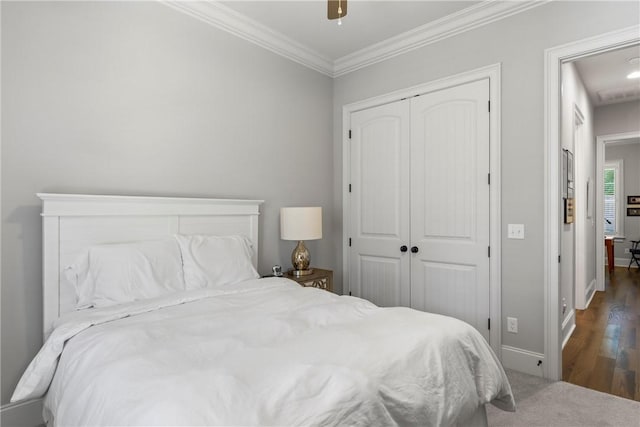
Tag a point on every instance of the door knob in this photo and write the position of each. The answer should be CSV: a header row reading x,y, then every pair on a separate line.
x,y
403,248
414,249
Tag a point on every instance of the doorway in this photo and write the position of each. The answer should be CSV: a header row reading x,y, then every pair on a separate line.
x,y
603,141
554,214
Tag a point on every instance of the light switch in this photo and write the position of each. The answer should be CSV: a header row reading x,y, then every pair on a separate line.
x,y
515,231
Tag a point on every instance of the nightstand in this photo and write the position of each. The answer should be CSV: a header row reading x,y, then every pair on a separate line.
x,y
320,278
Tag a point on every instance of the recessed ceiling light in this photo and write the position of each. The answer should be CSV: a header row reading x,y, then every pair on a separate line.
x,y
634,75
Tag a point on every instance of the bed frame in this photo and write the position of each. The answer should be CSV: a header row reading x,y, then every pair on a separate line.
x,y
73,222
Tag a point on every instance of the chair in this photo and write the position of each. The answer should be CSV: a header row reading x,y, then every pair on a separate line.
x,y
635,253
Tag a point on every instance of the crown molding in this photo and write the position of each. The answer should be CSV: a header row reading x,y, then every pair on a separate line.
x,y
226,19
456,23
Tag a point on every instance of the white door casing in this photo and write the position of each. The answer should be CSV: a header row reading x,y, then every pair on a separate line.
x,y
450,203
580,215
553,59
380,203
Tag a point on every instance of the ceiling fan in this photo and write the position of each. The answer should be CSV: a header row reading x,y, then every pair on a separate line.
x,y
336,9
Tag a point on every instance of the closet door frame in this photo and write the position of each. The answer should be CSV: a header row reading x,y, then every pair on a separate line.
x,y
491,72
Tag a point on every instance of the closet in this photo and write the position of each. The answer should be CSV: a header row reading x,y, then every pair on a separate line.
x,y
419,207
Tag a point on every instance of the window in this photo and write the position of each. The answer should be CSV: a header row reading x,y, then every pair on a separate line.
x,y
613,194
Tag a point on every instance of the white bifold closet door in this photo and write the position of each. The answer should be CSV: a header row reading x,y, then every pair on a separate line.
x,y
450,203
419,175
379,271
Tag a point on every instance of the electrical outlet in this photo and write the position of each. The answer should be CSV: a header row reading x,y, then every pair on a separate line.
x,y
512,325
626,251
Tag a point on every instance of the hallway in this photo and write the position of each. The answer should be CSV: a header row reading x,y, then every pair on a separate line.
x,y
604,351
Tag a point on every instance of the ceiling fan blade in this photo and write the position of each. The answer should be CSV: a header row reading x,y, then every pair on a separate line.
x,y
333,6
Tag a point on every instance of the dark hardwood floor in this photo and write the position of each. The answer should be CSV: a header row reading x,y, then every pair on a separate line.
x,y
603,352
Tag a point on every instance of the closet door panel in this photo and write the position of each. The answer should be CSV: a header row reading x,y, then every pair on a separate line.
x,y
450,203
381,277
379,204
435,298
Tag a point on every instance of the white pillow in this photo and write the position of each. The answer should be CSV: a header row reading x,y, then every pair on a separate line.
x,y
116,273
215,261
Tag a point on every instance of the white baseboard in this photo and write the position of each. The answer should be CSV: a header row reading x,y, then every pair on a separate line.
x,y
522,360
568,326
592,289
623,262
22,414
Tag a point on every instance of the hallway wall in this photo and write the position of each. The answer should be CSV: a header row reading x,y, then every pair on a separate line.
x,y
578,238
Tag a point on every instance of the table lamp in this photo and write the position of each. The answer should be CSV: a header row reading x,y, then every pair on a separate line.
x,y
301,224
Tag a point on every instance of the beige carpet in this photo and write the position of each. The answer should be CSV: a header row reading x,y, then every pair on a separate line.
x,y
550,404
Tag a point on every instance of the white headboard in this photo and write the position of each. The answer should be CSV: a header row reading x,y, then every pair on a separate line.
x,y
73,222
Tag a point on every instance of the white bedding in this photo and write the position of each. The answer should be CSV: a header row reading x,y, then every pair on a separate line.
x,y
267,352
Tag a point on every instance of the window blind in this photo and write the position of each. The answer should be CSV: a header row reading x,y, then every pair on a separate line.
x,y
610,201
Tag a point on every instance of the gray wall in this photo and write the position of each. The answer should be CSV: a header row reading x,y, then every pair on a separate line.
x,y
518,43
136,98
617,118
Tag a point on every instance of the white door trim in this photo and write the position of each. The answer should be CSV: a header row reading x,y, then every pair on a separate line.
x,y
492,72
601,140
553,59
580,215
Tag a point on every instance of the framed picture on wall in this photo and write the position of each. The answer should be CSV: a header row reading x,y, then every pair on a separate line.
x,y
568,210
633,211
633,200
569,169
563,161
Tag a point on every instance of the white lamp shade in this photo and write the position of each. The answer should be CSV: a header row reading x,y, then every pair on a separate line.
x,y
301,223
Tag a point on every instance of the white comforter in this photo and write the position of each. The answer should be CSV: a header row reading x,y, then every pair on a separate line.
x,y
265,352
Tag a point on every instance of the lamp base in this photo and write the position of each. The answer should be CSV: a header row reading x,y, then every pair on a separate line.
x,y
300,258
298,273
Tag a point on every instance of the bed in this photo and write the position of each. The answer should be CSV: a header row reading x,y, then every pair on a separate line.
x,y
211,343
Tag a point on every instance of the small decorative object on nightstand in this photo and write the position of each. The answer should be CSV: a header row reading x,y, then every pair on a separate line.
x,y
277,271
320,278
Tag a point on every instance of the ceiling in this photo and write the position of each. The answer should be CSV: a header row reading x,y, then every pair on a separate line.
x,y
375,30
366,23
372,31
605,76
